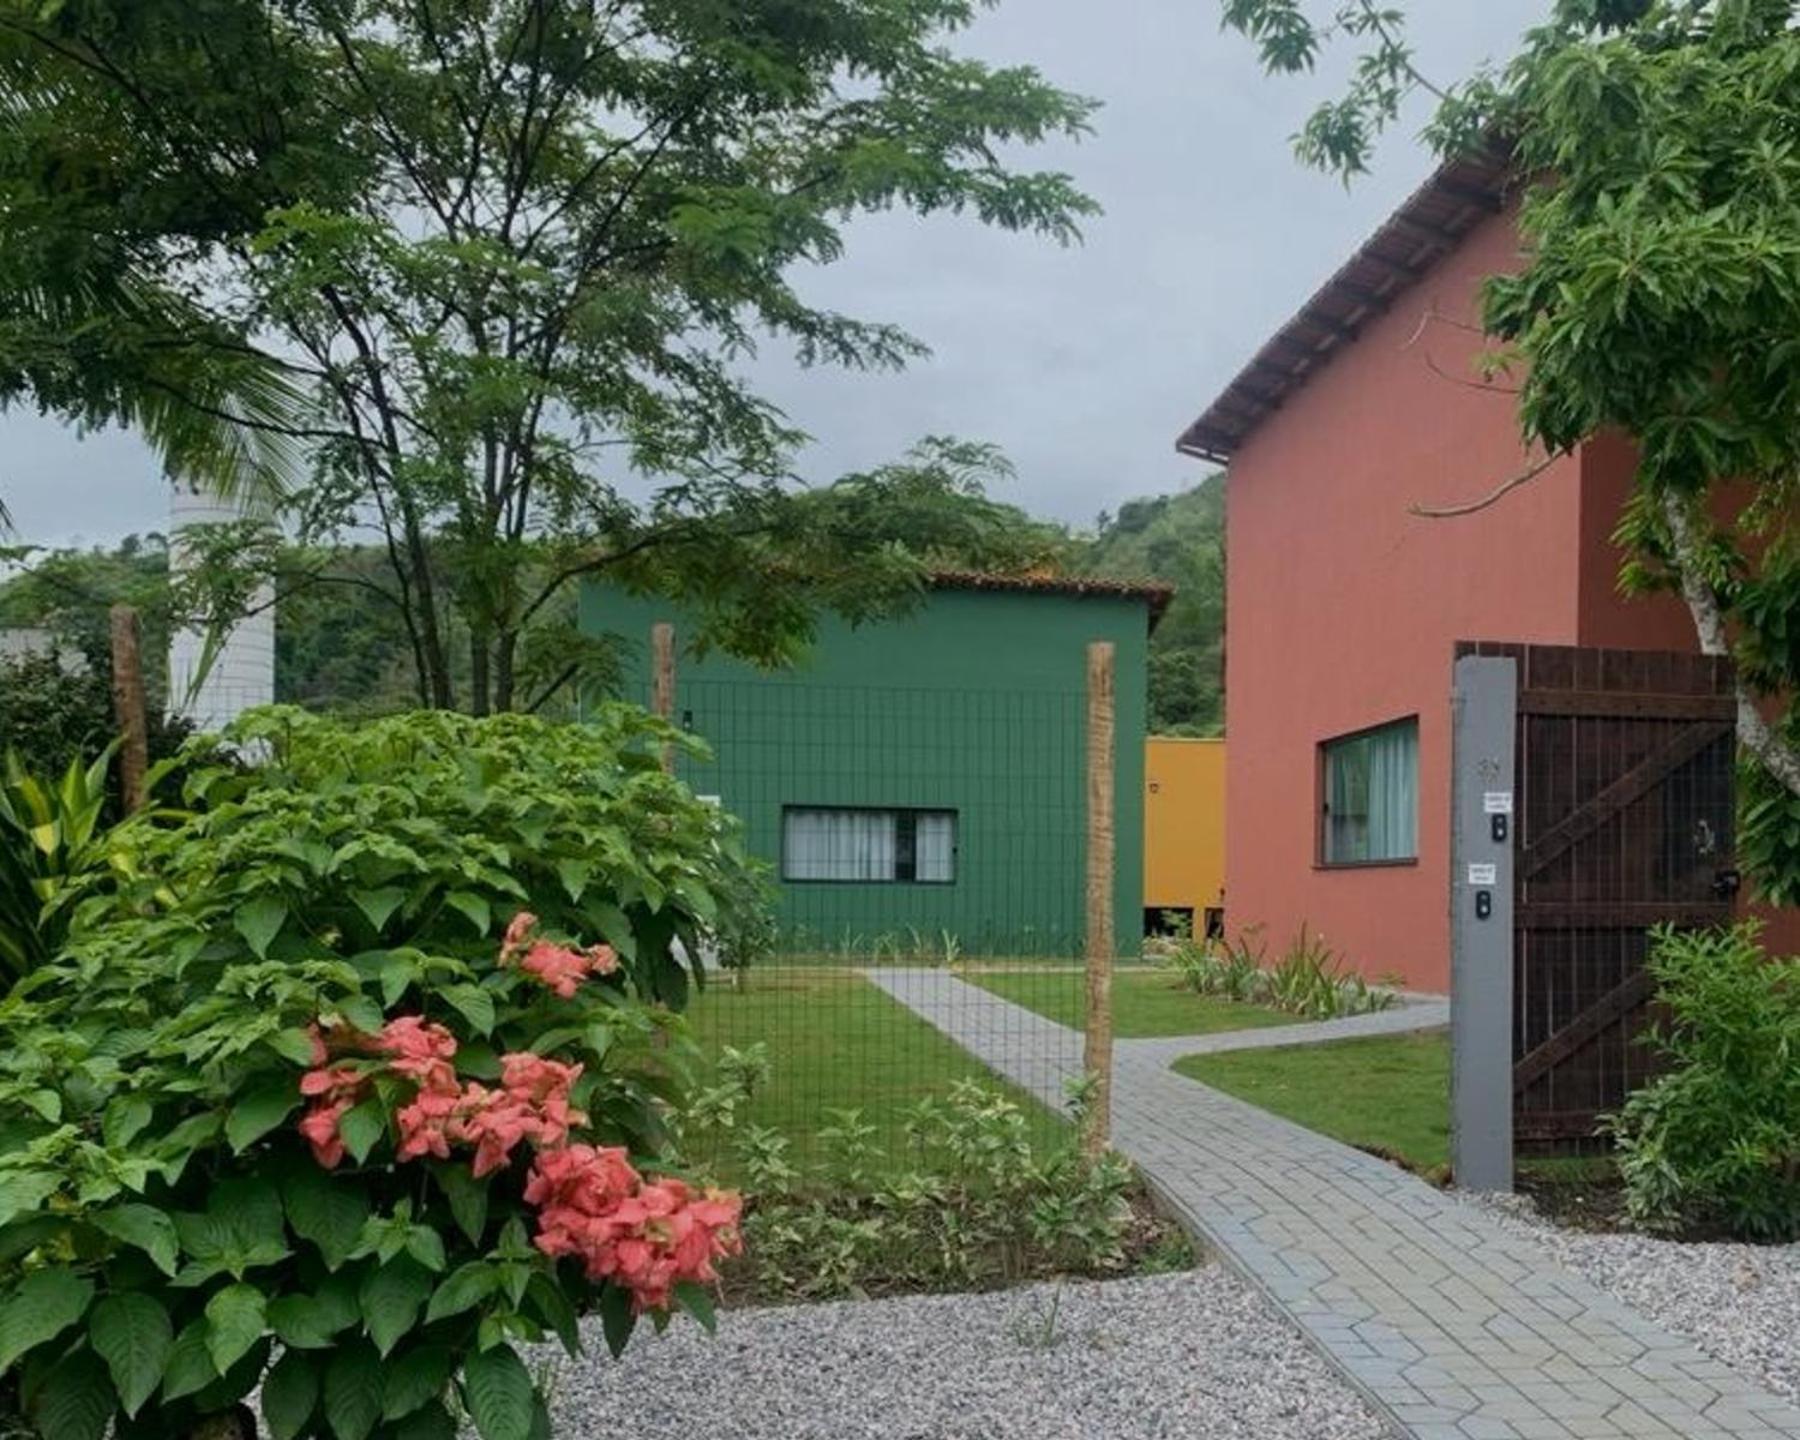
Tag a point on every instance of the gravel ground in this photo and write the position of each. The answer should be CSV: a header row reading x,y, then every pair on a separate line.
x,y
1739,1303
1195,1355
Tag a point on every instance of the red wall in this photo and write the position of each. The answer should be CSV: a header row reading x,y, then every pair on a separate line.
x,y
1344,609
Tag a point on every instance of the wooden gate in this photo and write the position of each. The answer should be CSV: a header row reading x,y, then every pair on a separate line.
x,y
1623,820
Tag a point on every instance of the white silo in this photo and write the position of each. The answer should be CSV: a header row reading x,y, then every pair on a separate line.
x,y
242,673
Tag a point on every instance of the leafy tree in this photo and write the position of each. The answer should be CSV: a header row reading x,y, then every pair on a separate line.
x,y
1179,540
504,255
1659,298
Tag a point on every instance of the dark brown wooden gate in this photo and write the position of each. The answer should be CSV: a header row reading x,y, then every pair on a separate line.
x,y
1623,820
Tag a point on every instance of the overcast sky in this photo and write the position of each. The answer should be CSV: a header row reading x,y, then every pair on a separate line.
x,y
1082,364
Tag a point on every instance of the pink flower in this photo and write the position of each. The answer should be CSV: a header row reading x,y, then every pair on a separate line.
x,y
424,1051
320,1127
518,931
561,969
648,1236
602,960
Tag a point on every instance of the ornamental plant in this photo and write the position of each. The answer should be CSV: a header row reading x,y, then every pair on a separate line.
x,y
1714,1142
345,1086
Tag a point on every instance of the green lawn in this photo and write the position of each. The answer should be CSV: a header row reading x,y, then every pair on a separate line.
x,y
1390,1094
836,1042
1146,1003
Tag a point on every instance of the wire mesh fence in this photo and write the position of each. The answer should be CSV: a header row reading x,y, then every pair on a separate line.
x,y
928,852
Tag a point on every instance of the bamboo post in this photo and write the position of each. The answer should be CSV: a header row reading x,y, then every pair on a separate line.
x,y
662,679
128,706
1097,1049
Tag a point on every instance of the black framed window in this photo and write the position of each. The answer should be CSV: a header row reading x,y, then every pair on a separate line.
x,y
858,844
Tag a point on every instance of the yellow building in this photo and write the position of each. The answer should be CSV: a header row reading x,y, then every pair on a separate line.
x,y
1184,833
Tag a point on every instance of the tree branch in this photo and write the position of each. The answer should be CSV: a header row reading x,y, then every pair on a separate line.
x,y
1492,498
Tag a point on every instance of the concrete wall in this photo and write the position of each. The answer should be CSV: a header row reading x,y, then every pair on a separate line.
x,y
1184,825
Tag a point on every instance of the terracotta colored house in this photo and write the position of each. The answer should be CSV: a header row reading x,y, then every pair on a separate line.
x,y
1344,606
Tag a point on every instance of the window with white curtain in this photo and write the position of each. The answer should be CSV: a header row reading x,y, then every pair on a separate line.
x,y
882,847
1371,782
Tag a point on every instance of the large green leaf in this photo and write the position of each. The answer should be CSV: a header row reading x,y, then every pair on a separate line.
x,y
468,1197
309,1322
414,1379
433,1422
235,1319
143,1226
498,1391
22,1191
391,1299
474,907
131,1332
353,1390
378,905
473,1003
190,1368
362,1128
124,1119
261,1107
467,1286
44,1304
290,1394
76,1400
259,921
325,1209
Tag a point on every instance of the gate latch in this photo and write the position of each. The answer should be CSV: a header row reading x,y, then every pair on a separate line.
x,y
1727,883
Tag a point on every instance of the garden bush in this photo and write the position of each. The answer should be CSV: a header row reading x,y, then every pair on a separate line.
x,y
1714,1142
344,1085
972,1202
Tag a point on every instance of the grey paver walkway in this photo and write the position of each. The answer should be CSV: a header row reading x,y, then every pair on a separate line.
x,y
1455,1329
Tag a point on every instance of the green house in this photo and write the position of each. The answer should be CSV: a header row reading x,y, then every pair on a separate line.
x,y
920,783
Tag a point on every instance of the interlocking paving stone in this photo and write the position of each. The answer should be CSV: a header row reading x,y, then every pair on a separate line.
x,y
1452,1327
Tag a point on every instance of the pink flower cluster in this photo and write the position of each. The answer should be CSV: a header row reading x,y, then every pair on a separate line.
x,y
532,1104
560,968
647,1235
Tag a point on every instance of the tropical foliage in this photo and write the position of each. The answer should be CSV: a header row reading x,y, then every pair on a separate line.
x,y
1659,296
353,1067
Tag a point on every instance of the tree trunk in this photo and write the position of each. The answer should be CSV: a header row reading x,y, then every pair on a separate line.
x,y
1755,733
506,653
479,687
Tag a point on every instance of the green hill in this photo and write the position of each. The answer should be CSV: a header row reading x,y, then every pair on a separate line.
x,y
1180,541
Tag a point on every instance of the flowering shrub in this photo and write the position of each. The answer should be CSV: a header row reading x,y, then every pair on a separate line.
x,y
345,1086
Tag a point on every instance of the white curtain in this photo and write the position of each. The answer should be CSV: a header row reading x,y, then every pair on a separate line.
x,y
838,844
934,847
1394,793
1373,785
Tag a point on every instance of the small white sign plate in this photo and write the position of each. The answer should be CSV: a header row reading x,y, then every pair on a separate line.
x,y
1484,875
1497,802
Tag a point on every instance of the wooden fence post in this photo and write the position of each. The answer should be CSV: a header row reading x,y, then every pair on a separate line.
x,y
128,706
1097,1049
662,679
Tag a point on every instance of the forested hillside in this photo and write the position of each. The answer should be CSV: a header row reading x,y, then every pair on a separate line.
x,y
1179,540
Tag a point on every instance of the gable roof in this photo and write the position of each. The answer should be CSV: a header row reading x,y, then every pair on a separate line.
x,y
1437,218
1156,597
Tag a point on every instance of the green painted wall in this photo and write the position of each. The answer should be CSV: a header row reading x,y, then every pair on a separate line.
x,y
976,702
